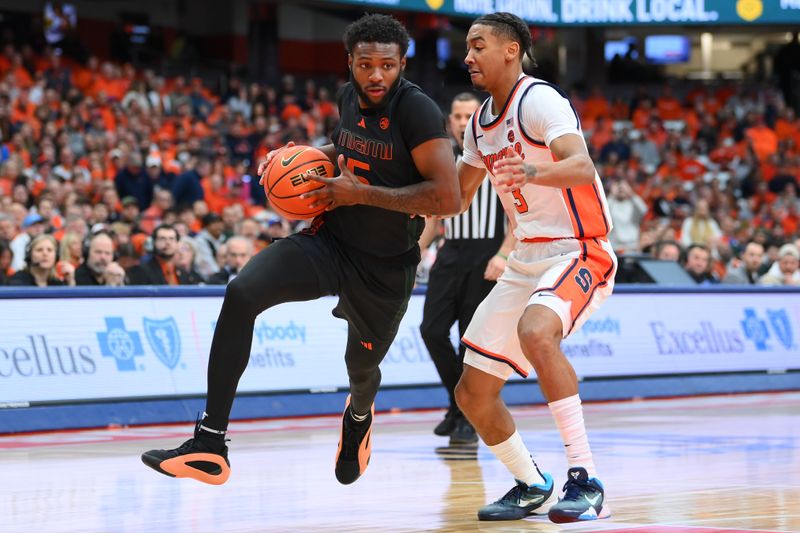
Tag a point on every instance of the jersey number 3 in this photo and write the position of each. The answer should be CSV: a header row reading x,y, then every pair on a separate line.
x,y
519,201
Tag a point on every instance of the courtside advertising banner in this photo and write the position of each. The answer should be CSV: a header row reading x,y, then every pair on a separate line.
x,y
72,349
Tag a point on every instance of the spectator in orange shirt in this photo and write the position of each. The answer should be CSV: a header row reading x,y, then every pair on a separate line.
x,y
22,77
669,107
787,126
643,114
762,137
602,133
690,167
23,109
290,108
670,166
325,106
620,110
596,105
84,77
217,195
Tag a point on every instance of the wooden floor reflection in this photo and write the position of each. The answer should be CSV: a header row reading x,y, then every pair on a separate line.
x,y
713,464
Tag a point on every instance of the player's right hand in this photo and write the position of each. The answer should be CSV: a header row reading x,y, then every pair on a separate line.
x,y
263,166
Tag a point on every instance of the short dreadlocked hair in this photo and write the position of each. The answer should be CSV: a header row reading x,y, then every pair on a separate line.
x,y
376,28
513,28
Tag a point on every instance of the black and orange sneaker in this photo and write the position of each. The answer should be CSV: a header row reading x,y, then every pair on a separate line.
x,y
355,445
204,458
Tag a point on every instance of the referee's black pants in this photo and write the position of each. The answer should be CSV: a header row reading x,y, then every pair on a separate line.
x,y
456,287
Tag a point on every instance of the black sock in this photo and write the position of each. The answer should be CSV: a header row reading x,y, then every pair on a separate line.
x,y
358,419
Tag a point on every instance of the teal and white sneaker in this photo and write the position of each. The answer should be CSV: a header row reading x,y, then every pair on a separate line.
x,y
582,500
521,501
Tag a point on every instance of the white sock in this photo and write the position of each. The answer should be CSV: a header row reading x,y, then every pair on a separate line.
x,y
515,455
208,429
568,415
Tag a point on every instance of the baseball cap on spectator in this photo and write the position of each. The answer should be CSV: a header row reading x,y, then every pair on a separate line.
x,y
116,152
786,249
153,161
130,200
30,220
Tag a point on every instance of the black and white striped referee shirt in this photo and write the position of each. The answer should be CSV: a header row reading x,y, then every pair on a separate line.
x,y
485,218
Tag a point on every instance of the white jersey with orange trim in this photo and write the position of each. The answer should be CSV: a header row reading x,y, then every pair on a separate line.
x,y
535,114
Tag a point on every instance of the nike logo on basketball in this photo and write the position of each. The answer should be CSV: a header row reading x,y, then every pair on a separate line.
x,y
287,162
592,501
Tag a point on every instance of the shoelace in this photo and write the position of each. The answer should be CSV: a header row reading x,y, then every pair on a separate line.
x,y
185,447
573,490
515,494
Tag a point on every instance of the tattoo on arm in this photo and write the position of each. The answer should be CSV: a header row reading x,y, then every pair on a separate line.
x,y
530,170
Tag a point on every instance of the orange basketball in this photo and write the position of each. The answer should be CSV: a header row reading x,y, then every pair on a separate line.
x,y
284,181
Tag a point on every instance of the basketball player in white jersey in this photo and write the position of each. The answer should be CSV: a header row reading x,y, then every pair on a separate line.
x,y
528,137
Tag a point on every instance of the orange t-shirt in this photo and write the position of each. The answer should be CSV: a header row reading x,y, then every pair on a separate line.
x,y
669,108
596,106
764,140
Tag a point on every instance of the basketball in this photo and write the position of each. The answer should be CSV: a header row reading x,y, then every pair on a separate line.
x,y
284,181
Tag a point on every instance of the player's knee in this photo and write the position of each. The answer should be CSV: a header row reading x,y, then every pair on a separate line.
x,y
463,396
538,339
470,395
366,377
240,296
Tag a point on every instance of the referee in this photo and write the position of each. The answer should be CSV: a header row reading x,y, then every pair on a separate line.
x,y
472,258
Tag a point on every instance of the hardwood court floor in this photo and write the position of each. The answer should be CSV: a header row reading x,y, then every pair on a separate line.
x,y
705,465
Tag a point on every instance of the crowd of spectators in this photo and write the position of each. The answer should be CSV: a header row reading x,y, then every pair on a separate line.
x,y
702,178
162,168
112,176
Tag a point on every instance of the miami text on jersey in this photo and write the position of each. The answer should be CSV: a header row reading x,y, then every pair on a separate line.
x,y
365,146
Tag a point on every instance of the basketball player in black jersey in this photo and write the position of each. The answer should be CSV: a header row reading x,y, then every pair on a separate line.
x,y
395,160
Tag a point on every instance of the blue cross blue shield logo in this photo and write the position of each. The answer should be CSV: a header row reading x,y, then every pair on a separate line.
x,y
782,326
755,329
119,343
164,339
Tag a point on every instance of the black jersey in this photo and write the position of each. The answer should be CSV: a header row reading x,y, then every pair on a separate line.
x,y
377,144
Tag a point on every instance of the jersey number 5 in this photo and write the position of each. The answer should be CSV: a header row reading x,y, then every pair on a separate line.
x,y
519,201
353,164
